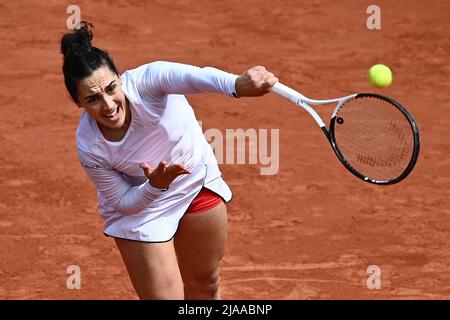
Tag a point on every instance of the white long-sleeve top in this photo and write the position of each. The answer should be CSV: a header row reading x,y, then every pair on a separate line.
x,y
163,128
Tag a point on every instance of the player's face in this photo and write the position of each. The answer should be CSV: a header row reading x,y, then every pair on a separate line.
x,y
102,97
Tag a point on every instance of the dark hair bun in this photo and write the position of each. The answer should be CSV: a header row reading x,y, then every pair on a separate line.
x,y
81,59
78,41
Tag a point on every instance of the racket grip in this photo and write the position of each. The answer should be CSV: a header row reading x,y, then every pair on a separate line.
x,y
286,92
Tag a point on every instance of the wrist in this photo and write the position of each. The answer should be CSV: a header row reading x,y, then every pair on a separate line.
x,y
236,92
157,188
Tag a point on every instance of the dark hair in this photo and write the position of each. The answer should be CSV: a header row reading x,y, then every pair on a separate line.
x,y
81,59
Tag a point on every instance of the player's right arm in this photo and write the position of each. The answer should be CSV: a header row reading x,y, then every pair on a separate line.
x,y
160,78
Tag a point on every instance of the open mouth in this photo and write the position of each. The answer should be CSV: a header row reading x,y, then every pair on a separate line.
x,y
112,116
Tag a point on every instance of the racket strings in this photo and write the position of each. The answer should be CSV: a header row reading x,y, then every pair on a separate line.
x,y
374,138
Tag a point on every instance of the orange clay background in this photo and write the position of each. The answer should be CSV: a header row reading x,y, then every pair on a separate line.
x,y
308,232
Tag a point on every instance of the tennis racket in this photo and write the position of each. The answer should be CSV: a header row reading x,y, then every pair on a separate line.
x,y
373,136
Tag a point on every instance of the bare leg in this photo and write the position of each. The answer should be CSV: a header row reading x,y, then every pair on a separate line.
x,y
153,269
200,245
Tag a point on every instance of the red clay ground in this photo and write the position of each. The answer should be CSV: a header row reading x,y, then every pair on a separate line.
x,y
309,232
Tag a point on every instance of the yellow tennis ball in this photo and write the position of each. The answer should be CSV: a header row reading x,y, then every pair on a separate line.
x,y
380,76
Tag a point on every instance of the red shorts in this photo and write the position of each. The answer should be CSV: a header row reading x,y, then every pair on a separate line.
x,y
205,200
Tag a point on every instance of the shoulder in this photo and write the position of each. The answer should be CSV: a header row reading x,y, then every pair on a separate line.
x,y
84,130
142,84
87,137
144,70
91,161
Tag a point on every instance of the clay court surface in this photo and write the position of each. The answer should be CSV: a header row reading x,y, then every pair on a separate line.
x,y
308,232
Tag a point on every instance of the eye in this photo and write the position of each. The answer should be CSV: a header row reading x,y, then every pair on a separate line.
x,y
111,89
92,100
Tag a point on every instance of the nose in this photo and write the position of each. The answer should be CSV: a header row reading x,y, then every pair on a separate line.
x,y
109,104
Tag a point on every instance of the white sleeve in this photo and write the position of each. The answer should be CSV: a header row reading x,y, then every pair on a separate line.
x,y
122,197
161,78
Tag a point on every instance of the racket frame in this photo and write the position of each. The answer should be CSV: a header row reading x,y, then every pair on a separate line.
x,y
305,103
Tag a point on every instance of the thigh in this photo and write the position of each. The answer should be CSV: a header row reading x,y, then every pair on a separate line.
x,y
153,268
200,242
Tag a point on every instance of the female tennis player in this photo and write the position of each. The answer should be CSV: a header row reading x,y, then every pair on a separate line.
x,y
159,188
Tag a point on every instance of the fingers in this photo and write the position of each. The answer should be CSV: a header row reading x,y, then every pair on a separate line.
x,y
161,166
258,68
178,169
262,78
255,82
164,169
164,174
144,166
269,82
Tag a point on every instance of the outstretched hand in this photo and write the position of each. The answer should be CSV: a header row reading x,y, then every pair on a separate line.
x,y
163,175
255,82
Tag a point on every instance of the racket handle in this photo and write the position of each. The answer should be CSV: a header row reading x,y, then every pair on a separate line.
x,y
286,92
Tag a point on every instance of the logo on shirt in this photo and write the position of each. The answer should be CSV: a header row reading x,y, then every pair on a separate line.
x,y
91,167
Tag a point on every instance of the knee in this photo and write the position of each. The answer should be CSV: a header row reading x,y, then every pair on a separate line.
x,y
169,290
163,287
206,284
